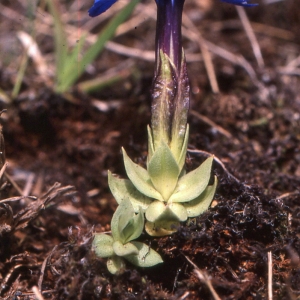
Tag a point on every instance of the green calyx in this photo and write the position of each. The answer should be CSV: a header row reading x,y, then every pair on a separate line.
x,y
126,225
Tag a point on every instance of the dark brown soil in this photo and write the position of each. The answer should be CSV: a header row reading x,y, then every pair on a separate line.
x,y
255,137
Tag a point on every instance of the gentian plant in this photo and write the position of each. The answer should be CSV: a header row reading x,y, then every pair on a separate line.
x,y
163,192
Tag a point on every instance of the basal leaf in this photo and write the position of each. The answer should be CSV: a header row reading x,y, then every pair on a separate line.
x,y
163,170
103,245
146,257
182,157
140,178
150,145
199,205
155,210
126,249
124,189
115,264
120,219
161,228
191,185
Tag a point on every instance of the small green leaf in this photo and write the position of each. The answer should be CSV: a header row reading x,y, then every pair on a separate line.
x,y
182,157
124,189
134,227
155,210
103,245
191,185
199,205
163,170
150,145
124,209
175,211
161,228
146,257
122,250
115,264
125,224
140,178
158,211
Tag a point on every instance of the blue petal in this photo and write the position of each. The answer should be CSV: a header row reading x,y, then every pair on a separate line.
x,y
240,2
100,6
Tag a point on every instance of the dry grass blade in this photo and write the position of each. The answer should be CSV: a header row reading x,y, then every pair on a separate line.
x,y
37,293
194,35
31,211
270,276
43,267
214,125
203,277
251,36
18,198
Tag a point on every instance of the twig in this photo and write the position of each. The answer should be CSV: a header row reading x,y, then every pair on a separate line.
x,y
286,195
251,36
194,35
214,125
37,293
14,184
43,267
18,198
203,277
184,296
270,276
217,160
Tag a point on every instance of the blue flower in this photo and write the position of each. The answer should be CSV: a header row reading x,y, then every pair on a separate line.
x,y
100,6
240,2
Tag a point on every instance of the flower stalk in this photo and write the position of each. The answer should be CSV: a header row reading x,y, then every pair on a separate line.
x,y
170,100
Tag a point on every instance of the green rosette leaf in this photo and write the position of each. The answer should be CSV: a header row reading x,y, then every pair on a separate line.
x,y
115,264
163,170
123,250
199,205
140,178
125,224
146,256
161,228
103,245
191,185
158,211
124,189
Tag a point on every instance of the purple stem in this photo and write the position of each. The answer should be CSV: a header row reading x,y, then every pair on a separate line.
x,y
168,30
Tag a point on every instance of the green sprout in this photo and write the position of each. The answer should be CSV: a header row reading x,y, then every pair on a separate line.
x,y
126,226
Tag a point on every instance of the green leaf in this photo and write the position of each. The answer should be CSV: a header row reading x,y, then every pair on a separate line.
x,y
191,185
199,205
150,145
115,264
125,224
122,250
106,34
124,189
155,210
61,46
103,245
124,209
161,228
146,257
158,211
140,178
182,157
163,170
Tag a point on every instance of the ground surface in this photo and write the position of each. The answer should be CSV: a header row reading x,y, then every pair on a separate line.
x,y
252,126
